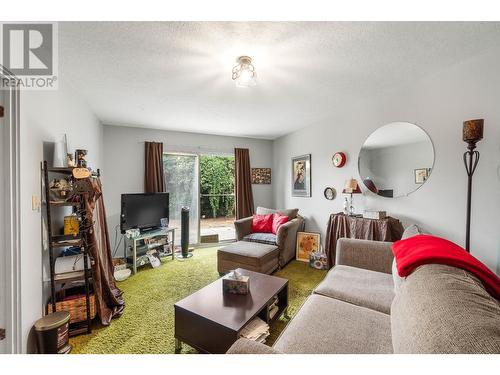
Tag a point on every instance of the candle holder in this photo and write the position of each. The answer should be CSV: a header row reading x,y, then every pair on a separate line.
x,y
472,133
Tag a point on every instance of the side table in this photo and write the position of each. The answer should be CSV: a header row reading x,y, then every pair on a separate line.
x,y
344,226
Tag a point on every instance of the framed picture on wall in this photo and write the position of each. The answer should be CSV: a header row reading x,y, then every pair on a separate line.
x,y
307,243
421,175
301,176
261,175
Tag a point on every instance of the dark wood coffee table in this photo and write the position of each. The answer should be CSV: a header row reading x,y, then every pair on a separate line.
x,y
211,321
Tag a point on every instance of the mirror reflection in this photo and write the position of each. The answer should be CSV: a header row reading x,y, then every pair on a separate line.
x,y
396,159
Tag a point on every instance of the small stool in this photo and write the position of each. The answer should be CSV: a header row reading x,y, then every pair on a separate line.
x,y
252,256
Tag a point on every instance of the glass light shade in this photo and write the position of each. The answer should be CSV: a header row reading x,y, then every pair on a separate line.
x,y
244,73
246,79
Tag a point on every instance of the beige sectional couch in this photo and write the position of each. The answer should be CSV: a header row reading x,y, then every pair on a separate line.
x,y
361,307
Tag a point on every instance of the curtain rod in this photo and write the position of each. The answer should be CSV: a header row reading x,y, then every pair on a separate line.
x,y
200,148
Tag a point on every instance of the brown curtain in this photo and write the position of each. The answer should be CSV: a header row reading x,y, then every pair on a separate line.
x,y
244,196
109,299
154,179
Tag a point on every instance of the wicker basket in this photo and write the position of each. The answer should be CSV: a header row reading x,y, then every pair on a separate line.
x,y
118,261
77,308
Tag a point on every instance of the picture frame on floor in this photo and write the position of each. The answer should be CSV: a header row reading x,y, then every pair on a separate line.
x,y
301,176
307,243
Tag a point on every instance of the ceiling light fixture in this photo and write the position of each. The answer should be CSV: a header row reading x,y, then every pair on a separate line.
x,y
244,73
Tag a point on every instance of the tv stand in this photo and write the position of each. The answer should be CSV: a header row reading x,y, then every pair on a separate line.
x,y
136,248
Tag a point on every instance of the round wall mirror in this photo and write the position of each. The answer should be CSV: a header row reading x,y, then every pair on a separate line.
x,y
396,159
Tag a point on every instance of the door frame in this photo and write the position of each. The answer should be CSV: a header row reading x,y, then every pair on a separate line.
x,y
10,135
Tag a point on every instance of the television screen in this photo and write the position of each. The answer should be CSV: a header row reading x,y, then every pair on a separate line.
x,y
143,211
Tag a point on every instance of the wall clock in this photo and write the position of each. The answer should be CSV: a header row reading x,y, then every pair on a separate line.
x,y
330,193
339,159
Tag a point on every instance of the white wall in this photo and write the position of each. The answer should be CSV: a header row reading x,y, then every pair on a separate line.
x,y
439,104
123,170
45,115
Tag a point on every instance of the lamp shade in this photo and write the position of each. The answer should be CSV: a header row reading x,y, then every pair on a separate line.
x,y
473,130
351,187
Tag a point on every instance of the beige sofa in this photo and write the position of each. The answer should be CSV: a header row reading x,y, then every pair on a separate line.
x,y
361,307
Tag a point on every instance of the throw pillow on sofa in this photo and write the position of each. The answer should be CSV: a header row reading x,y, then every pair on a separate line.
x,y
265,238
278,220
262,223
291,213
411,231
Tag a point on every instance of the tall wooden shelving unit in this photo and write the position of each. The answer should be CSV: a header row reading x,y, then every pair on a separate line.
x,y
56,241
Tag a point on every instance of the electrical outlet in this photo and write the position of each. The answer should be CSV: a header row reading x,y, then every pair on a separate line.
x,y
35,203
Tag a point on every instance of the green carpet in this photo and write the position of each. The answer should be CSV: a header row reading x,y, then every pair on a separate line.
x,y
147,324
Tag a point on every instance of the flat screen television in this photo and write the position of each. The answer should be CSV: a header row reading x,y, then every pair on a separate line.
x,y
143,211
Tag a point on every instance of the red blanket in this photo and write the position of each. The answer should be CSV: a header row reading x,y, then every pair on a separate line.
x,y
425,249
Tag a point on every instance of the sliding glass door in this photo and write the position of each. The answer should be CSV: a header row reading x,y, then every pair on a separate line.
x,y
217,198
205,184
182,183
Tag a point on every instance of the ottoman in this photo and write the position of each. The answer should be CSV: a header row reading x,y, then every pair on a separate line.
x,y
252,256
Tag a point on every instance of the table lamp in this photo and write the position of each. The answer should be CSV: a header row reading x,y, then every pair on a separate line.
x,y
472,133
351,187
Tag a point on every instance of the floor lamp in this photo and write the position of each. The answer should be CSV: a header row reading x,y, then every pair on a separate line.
x,y
472,133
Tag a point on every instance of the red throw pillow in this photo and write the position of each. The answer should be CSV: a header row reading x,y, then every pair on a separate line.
x,y
262,223
278,220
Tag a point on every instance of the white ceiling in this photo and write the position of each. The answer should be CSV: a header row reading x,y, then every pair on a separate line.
x,y
177,75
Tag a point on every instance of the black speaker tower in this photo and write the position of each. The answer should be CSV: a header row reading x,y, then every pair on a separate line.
x,y
184,234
